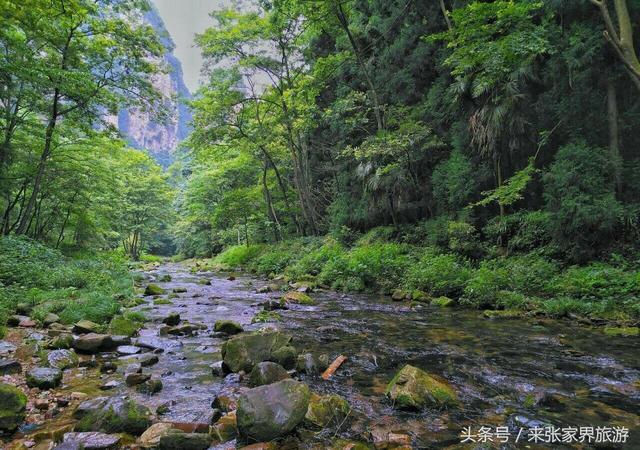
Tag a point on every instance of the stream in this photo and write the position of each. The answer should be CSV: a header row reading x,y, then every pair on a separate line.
x,y
515,373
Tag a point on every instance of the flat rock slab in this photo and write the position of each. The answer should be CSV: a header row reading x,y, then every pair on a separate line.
x,y
89,441
128,350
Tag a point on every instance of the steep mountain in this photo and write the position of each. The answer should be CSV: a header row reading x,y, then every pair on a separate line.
x,y
160,139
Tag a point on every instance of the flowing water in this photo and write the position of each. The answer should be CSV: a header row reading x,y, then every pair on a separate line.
x,y
517,373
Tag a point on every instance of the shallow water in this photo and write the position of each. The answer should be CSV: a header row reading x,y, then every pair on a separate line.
x,y
500,368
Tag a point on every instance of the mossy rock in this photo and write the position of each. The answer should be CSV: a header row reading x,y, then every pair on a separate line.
x,y
62,341
399,295
179,290
162,301
267,372
62,359
226,428
622,331
502,314
125,327
44,377
442,302
415,389
153,289
185,441
420,296
244,351
285,356
13,404
299,298
228,327
326,411
115,415
166,278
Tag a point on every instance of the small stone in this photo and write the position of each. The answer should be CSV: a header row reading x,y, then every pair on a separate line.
x,y
228,327
10,366
44,378
153,289
50,319
128,350
147,360
62,359
85,327
217,369
41,404
89,441
172,319
110,385
108,366
150,387
27,323
134,379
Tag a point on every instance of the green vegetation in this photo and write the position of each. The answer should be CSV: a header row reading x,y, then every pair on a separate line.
x,y
85,286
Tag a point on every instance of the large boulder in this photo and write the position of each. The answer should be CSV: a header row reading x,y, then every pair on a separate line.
x,y
93,343
228,327
13,403
413,388
246,350
267,372
113,415
44,378
267,412
327,410
62,359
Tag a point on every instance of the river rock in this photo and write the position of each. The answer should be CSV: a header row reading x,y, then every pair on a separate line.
x,y
267,412
298,297
10,366
147,359
150,387
266,373
285,356
216,369
50,319
136,378
27,323
442,302
327,410
62,359
13,404
244,351
120,340
85,327
226,427
61,341
228,327
184,441
157,344
113,415
153,289
44,377
89,441
151,437
172,319
413,388
93,343
127,350
6,348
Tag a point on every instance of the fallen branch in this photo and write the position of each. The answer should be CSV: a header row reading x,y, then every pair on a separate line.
x,y
333,367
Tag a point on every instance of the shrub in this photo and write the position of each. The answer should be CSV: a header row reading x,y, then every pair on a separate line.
x,y
522,231
453,182
483,287
463,239
580,196
312,262
237,256
597,281
439,275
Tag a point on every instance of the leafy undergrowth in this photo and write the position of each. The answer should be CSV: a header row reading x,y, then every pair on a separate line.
x,y
85,286
526,281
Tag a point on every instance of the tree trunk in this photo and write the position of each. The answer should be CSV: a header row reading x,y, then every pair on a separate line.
x,y
614,134
271,212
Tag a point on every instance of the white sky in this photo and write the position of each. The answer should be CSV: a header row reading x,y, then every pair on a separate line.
x,y
183,19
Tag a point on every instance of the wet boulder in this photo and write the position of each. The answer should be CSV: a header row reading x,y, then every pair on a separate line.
x,y
228,327
266,373
13,404
89,441
153,289
62,359
413,388
136,378
267,412
85,327
44,378
244,351
152,435
326,410
113,415
93,343
442,302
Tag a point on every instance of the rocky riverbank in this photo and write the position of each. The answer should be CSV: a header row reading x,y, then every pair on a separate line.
x,y
226,362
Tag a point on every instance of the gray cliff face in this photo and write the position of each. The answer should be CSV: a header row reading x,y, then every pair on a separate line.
x,y
160,140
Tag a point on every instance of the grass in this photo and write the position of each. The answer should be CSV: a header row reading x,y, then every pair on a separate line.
x,y
85,286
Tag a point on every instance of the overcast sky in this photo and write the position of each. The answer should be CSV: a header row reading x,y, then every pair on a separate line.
x,y
183,19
